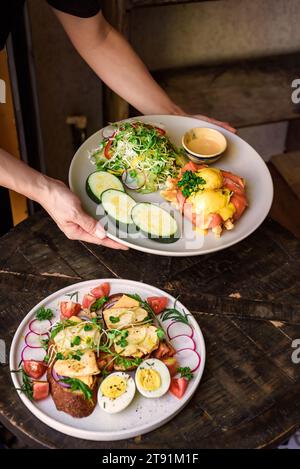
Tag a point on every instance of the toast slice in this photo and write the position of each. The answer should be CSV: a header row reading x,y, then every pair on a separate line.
x,y
72,402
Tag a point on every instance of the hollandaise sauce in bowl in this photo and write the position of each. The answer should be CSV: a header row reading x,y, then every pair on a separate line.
x,y
204,145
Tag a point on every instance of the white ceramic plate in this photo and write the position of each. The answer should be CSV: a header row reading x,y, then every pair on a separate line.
x,y
239,158
142,415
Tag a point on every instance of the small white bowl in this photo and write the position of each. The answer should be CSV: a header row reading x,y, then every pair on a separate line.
x,y
204,145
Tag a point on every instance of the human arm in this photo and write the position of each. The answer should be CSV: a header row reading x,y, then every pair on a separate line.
x,y
61,204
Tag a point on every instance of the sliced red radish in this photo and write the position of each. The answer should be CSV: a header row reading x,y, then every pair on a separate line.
x,y
40,327
179,328
182,341
108,131
29,353
34,340
188,357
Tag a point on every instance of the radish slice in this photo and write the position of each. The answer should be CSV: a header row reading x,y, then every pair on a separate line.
x,y
30,353
108,131
188,357
40,327
34,340
183,342
179,328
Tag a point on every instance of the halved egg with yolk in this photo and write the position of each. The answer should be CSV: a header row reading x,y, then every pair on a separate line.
x,y
116,392
152,378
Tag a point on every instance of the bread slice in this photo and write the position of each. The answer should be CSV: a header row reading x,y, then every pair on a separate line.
x,y
72,402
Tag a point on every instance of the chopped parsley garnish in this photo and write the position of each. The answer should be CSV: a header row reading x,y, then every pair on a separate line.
x,y
59,356
78,385
123,342
75,356
114,319
44,313
76,341
185,372
88,327
190,182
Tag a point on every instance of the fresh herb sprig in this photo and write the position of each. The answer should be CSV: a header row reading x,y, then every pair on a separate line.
x,y
27,386
78,385
72,295
185,372
44,313
175,315
190,182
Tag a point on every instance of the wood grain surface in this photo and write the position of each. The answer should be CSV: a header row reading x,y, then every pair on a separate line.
x,y
245,298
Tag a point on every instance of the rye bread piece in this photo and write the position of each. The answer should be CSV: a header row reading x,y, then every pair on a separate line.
x,y
72,402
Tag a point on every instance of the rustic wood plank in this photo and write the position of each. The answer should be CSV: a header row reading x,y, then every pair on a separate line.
x,y
245,93
288,165
246,301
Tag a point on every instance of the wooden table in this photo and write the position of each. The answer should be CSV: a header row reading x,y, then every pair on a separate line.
x,y
247,302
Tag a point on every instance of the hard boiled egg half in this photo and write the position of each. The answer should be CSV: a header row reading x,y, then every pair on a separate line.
x,y
152,378
116,392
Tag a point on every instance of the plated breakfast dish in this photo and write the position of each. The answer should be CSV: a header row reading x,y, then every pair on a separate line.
x,y
140,157
99,351
172,185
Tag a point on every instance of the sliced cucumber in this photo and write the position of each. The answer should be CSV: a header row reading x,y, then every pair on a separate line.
x,y
99,181
155,222
118,206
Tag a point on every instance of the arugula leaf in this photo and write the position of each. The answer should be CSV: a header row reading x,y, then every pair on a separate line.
x,y
44,313
78,385
185,372
99,303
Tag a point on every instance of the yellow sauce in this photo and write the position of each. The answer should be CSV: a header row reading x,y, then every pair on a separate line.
x,y
205,146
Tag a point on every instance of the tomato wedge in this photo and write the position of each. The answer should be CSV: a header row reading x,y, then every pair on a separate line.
x,y
88,300
157,303
101,290
69,308
40,390
107,152
178,387
160,131
35,369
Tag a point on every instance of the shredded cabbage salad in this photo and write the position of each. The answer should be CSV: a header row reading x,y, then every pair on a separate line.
x,y
139,146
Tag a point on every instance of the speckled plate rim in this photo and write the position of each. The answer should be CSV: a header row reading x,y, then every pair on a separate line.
x,y
97,435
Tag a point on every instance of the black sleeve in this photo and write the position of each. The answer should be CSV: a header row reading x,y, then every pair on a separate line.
x,y
81,8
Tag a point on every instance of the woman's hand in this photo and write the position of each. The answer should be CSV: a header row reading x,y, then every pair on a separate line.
x,y
225,125
65,209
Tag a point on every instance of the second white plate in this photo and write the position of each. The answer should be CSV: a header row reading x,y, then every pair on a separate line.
x,y
239,158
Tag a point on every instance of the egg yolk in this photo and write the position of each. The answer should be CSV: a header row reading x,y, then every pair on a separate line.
x,y
212,176
149,379
113,387
213,201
